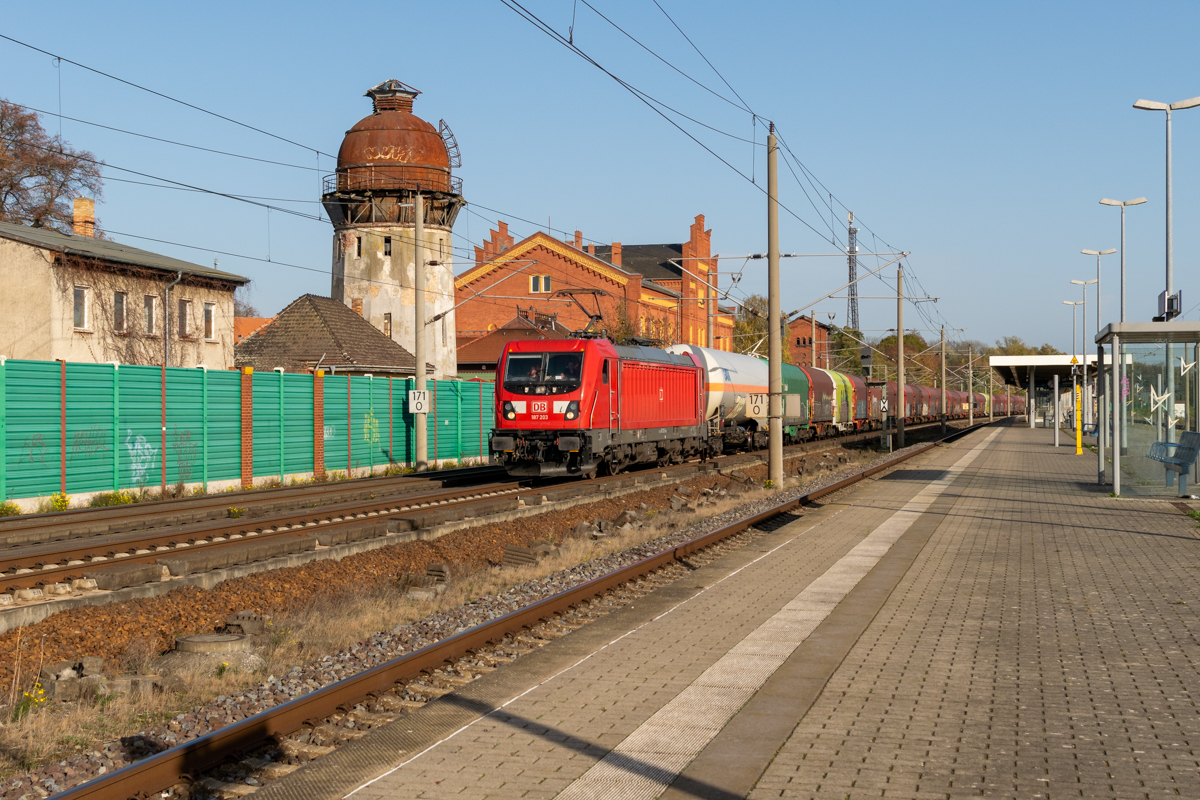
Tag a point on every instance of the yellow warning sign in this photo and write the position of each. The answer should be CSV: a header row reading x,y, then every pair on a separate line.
x,y
1074,360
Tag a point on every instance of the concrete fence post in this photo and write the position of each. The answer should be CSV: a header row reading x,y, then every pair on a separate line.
x,y
204,428
247,427
318,421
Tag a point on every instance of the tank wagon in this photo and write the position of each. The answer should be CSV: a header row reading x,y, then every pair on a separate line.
x,y
578,406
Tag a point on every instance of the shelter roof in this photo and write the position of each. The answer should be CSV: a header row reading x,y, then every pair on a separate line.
x,y
314,329
1150,332
1015,370
109,250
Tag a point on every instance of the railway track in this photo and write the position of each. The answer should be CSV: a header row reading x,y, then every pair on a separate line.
x,y
550,618
56,526
58,563
54,560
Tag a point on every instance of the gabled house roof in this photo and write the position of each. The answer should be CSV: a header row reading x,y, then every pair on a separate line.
x,y
316,329
487,348
108,250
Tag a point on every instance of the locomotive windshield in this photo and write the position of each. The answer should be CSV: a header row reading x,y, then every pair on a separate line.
x,y
543,373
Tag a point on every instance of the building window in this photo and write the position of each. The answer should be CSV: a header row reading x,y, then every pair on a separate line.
x,y
210,313
387,325
387,245
119,321
356,305
185,310
358,247
545,283
81,307
151,325
539,284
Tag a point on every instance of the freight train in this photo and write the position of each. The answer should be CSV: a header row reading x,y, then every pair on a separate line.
x,y
580,406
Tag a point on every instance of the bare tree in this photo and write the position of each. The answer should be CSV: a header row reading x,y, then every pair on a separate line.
x,y
40,174
242,307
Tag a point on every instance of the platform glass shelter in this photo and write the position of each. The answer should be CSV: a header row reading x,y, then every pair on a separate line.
x,y
1155,357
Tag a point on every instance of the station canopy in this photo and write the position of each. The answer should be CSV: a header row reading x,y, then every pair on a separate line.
x,y
1017,370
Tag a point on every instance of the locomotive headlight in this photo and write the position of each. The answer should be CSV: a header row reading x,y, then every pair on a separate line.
x,y
573,409
509,411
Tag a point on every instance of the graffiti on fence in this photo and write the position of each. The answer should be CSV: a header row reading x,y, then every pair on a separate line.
x,y
142,457
89,441
370,429
185,452
33,450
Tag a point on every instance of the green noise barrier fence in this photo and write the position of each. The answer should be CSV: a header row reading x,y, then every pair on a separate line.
x,y
81,428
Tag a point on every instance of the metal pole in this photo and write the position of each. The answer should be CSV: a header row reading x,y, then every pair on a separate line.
x,y
970,388
1102,414
422,434
1118,418
1122,262
1057,406
991,399
1170,290
943,380
1030,396
1099,306
775,344
900,412
812,342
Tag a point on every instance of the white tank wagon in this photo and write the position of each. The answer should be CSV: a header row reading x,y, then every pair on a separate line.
x,y
737,391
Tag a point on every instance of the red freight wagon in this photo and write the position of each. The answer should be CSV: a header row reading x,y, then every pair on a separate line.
x,y
574,406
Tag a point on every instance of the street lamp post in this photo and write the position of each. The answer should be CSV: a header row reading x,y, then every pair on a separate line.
x,y
1119,358
1097,254
1170,305
1122,204
1087,405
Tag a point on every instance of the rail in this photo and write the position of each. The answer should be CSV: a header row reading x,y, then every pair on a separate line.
x,y
163,770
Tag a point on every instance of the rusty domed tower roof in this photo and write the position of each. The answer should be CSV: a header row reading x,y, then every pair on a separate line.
x,y
392,147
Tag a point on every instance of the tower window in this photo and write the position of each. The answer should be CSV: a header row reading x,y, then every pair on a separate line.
x,y
387,322
358,247
387,245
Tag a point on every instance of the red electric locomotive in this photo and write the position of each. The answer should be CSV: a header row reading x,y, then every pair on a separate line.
x,y
572,406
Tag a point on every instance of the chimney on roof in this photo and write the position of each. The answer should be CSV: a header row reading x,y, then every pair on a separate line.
x,y
578,240
616,254
84,216
591,249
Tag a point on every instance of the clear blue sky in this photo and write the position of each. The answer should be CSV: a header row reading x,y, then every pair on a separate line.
x,y
977,136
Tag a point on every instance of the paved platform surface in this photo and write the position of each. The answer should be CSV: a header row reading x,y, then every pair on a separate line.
x,y
983,621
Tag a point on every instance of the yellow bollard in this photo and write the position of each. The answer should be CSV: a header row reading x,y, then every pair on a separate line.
x,y
1078,424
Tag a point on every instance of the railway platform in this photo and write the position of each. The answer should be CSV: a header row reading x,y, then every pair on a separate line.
x,y
982,621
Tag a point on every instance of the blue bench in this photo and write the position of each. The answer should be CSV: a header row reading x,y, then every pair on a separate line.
x,y
1180,459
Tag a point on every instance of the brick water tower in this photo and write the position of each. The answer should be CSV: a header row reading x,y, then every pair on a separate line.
x,y
384,161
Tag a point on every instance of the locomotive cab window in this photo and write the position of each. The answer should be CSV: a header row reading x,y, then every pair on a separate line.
x,y
543,373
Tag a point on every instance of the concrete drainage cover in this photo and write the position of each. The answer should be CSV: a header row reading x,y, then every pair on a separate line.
x,y
213,643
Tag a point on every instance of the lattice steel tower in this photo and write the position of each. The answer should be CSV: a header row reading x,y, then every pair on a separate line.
x,y
852,260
